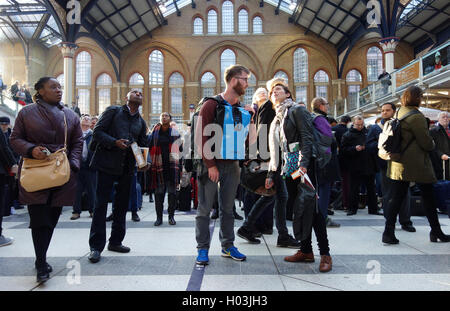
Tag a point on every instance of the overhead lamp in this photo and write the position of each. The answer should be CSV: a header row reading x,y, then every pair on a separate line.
x,y
162,7
292,5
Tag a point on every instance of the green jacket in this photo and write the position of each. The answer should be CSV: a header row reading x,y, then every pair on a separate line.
x,y
415,163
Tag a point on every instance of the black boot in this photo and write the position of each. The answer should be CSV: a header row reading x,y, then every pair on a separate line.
x,y
389,236
159,207
437,234
172,221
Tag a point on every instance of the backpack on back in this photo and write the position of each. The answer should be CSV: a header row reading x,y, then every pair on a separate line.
x,y
390,141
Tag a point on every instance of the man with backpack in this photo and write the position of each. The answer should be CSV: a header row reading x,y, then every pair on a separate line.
x,y
387,113
230,123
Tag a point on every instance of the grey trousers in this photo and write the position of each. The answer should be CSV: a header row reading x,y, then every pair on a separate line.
x,y
229,178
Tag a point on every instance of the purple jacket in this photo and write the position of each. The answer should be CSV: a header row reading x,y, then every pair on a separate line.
x,y
322,125
43,125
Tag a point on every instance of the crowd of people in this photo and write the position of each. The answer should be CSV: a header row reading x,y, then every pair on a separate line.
x,y
301,165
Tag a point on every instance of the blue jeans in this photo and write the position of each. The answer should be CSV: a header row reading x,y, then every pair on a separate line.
x,y
280,199
324,198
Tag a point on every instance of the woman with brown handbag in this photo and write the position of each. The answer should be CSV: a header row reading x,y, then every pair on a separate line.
x,y
41,131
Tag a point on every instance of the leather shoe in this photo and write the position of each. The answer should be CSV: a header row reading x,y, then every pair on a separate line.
x,y
172,221
325,263
409,228
300,257
47,266
94,256
350,213
118,248
158,222
75,216
135,217
42,276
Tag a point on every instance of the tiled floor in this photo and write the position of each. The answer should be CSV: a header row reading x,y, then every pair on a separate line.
x,y
163,258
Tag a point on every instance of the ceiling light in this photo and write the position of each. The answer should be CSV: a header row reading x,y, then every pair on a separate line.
x,y
292,5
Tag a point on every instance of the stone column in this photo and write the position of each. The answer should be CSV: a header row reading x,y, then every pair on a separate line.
x,y
389,45
68,50
337,84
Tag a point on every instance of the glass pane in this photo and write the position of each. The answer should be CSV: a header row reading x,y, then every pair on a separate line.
x,y
198,26
208,79
301,94
176,79
208,92
374,63
248,96
156,96
252,80
227,17
212,21
322,91
156,64
177,100
227,59
321,76
104,99
83,69
60,79
353,91
257,25
136,79
104,79
353,76
243,21
300,65
281,74
83,100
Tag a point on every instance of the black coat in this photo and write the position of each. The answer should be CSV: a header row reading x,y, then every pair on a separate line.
x,y
442,142
264,117
339,131
7,158
115,123
362,162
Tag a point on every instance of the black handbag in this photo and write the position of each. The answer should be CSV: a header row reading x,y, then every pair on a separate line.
x,y
254,180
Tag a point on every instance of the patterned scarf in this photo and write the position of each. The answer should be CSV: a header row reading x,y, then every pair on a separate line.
x,y
276,133
156,157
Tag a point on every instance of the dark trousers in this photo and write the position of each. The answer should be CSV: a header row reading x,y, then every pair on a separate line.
x,y
2,199
86,183
356,181
324,198
160,193
345,187
291,186
398,192
263,202
43,220
265,221
97,237
404,216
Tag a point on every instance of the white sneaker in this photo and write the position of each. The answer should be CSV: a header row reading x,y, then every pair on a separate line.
x,y
5,241
13,211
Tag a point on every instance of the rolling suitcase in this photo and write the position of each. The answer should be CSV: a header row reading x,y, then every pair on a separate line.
x,y
441,191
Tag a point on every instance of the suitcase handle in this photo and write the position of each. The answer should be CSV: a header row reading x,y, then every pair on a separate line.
x,y
443,170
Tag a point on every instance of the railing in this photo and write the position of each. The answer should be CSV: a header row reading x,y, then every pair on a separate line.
x,y
425,71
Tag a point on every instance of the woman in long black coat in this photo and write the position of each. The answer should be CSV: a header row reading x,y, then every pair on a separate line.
x,y
39,126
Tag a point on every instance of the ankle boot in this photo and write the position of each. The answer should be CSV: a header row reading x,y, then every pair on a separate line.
x,y
389,236
437,234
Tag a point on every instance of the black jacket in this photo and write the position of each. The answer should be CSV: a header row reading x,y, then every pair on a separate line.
x,y
301,131
6,155
85,164
115,123
442,142
339,131
362,162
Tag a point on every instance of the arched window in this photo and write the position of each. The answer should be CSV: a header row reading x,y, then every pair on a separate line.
x,y
156,80
257,25
354,81
212,22
300,66
281,74
83,81
250,90
60,79
227,17
198,26
208,84
176,84
374,63
136,82
321,84
227,59
104,84
243,21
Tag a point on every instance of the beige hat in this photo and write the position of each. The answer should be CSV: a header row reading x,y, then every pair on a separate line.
x,y
277,80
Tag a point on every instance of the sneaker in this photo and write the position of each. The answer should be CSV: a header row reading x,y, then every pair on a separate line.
x,y
202,258
5,241
75,216
233,252
247,235
13,210
287,241
331,223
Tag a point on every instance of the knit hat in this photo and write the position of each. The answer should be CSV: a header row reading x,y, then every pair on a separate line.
x,y
4,120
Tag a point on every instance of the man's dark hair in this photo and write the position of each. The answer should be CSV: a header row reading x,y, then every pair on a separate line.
x,y
233,71
392,105
285,88
332,120
346,119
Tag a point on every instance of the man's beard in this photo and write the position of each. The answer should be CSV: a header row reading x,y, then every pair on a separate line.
x,y
239,89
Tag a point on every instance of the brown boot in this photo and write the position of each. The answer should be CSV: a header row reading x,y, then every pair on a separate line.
x,y
300,257
325,263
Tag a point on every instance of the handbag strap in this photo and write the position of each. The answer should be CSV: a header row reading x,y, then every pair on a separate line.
x,y
65,130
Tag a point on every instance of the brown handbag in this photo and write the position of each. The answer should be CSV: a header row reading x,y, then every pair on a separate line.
x,y
53,171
